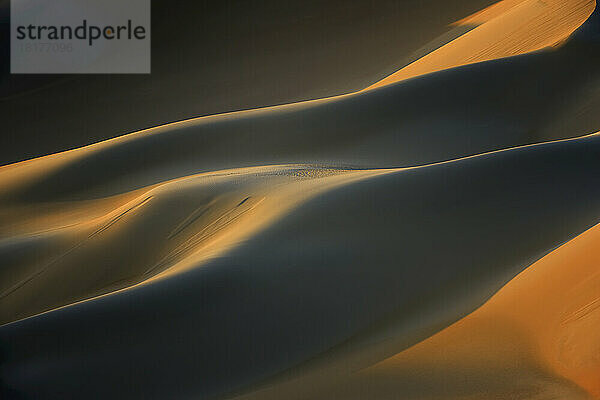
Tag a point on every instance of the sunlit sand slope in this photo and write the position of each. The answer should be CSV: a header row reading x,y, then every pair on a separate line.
x,y
537,338
62,253
211,57
455,113
506,29
299,251
369,250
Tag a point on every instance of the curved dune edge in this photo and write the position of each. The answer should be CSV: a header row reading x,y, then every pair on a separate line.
x,y
509,28
177,225
201,217
59,226
174,226
333,241
503,31
538,337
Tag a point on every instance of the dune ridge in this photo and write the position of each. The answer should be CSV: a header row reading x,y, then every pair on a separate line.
x,y
504,30
403,209
272,260
315,56
55,236
233,203
535,338
576,11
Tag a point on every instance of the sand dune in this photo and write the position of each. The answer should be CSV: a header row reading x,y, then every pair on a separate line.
x,y
506,29
366,43
536,338
213,57
363,248
334,248
200,214
377,128
477,108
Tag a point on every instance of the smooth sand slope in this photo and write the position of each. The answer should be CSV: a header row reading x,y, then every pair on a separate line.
x,y
217,56
442,116
132,237
537,338
326,49
450,114
505,29
273,253
371,253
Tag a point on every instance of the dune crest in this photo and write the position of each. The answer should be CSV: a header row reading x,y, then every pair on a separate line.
x,y
369,245
537,338
544,322
188,220
507,29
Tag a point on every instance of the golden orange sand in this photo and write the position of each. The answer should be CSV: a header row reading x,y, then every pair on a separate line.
x,y
155,231
65,228
507,29
537,338
545,323
504,29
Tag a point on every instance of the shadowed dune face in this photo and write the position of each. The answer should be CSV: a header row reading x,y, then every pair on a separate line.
x,y
450,114
213,56
364,249
536,338
174,224
315,57
334,248
477,108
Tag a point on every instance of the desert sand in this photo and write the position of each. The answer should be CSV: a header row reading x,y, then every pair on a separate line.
x,y
214,57
534,25
430,237
536,338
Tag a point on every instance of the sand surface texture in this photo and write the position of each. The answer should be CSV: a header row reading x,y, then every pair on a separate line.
x,y
429,235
